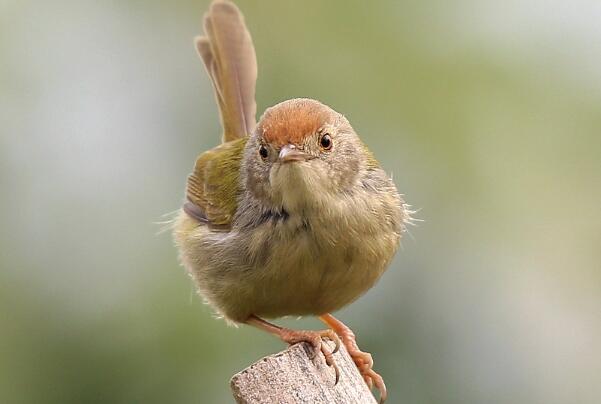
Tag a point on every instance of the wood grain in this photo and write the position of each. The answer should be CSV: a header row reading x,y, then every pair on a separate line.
x,y
297,375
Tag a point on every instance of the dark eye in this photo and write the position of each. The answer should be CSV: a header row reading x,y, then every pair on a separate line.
x,y
326,141
263,152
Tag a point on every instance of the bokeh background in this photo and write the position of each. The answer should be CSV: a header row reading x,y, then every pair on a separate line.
x,y
487,113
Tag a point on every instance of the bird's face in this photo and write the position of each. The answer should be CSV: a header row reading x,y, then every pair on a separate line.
x,y
301,152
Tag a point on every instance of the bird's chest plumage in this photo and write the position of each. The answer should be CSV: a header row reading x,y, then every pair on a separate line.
x,y
312,265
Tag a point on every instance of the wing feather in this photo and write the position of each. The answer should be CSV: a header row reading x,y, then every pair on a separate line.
x,y
214,185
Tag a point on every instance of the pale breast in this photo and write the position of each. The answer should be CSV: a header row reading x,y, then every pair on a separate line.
x,y
318,264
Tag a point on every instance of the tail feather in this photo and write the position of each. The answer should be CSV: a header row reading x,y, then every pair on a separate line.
x,y
229,57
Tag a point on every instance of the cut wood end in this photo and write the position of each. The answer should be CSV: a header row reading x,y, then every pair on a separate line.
x,y
298,375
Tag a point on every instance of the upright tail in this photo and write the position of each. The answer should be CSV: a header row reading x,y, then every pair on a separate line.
x,y
229,56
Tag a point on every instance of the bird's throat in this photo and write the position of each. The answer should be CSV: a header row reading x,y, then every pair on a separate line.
x,y
293,185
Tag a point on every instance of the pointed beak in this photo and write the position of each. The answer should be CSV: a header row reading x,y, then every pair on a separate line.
x,y
290,153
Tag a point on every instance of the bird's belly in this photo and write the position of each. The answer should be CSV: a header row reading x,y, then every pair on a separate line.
x,y
308,273
280,270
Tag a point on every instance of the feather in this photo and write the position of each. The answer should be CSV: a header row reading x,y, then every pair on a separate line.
x,y
214,185
228,54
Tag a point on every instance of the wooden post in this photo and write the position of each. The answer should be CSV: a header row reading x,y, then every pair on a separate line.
x,y
297,375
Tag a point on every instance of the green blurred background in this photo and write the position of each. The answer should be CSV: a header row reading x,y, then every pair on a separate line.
x,y
487,113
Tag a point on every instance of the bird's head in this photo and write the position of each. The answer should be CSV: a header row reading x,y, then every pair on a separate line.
x,y
301,152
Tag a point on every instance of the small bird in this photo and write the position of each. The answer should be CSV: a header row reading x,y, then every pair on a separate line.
x,y
292,215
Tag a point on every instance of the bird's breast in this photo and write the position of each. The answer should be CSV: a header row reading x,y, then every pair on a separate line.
x,y
312,264
287,262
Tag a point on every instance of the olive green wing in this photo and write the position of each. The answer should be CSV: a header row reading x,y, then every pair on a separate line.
x,y
214,185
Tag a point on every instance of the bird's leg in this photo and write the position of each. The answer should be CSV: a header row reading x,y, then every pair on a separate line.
x,y
363,360
315,338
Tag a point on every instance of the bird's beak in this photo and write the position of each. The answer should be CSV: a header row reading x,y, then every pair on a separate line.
x,y
290,153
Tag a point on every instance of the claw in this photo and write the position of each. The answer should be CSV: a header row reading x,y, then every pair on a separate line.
x,y
329,356
363,360
379,384
330,362
317,341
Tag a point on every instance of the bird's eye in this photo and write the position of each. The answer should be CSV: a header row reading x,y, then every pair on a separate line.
x,y
326,141
263,152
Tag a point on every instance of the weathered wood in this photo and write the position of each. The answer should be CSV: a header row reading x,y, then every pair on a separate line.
x,y
297,375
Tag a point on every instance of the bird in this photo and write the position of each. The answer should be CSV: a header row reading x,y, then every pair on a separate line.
x,y
289,216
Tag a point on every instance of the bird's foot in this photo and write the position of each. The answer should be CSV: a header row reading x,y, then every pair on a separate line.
x,y
363,360
314,338
364,363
